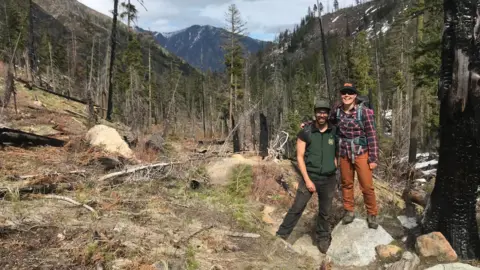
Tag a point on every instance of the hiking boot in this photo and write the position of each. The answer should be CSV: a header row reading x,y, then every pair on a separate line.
x,y
323,244
348,217
283,236
372,222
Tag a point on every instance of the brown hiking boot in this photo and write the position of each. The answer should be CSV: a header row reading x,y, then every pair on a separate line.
x,y
372,222
348,217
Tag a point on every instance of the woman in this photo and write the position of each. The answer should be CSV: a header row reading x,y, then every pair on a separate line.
x,y
357,152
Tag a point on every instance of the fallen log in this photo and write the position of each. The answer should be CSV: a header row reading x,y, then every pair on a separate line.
x,y
241,234
36,189
136,169
21,138
23,177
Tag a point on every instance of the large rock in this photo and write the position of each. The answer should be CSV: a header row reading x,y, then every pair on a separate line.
x,y
453,266
435,245
354,244
409,261
108,139
389,252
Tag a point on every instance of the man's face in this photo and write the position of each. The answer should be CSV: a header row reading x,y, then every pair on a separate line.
x,y
321,115
348,96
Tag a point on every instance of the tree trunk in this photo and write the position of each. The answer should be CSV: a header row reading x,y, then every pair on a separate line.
x,y
414,124
263,136
113,36
9,85
451,208
29,59
379,92
149,86
91,111
325,57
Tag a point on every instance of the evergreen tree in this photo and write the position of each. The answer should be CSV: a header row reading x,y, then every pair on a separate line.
x,y
361,64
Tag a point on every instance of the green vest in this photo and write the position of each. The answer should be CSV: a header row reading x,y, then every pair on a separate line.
x,y
320,154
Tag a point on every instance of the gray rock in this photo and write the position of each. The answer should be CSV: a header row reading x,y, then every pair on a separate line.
x,y
453,266
121,264
409,261
354,244
304,246
408,222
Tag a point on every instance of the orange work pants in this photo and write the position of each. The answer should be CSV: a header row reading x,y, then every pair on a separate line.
x,y
364,173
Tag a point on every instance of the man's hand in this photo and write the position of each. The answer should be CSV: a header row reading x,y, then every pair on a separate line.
x,y
336,163
372,165
302,125
310,185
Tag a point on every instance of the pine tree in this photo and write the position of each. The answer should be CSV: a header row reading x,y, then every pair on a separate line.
x,y
362,66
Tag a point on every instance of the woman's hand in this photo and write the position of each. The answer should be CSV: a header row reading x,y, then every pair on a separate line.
x,y
372,165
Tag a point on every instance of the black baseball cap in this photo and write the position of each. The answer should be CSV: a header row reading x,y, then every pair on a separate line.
x,y
348,87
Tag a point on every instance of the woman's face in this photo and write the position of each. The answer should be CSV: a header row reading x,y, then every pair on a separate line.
x,y
348,96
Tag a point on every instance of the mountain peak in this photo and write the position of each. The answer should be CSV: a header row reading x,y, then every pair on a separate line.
x,y
200,45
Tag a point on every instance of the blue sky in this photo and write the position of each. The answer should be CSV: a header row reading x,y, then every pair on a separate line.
x,y
264,18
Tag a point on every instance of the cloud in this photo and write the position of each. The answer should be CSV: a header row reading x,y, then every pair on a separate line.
x,y
264,18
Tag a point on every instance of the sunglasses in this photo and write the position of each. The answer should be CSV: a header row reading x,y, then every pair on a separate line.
x,y
347,92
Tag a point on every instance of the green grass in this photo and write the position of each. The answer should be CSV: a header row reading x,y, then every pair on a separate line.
x,y
234,198
192,263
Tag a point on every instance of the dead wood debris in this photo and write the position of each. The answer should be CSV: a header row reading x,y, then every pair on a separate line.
x,y
36,188
136,169
24,177
72,201
241,234
21,138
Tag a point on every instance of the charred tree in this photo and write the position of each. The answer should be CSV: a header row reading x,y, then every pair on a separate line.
x,y
451,209
328,74
263,136
113,42
236,137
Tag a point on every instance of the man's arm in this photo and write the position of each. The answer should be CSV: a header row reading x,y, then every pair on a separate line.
x,y
301,146
371,134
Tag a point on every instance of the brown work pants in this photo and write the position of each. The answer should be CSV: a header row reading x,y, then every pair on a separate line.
x,y
364,173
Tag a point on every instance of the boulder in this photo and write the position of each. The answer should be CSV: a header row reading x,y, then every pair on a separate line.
x,y
354,244
453,266
435,245
109,140
389,253
408,222
409,261
155,142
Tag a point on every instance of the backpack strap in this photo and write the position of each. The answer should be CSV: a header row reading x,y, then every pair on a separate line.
x,y
360,115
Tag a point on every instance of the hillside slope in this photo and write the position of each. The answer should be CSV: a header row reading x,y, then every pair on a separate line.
x,y
201,46
73,28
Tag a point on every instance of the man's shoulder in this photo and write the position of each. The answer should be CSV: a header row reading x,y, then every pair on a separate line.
x,y
304,133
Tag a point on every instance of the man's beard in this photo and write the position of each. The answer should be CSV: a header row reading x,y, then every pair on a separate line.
x,y
321,121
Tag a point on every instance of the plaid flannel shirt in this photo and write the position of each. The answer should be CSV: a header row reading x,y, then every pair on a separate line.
x,y
351,129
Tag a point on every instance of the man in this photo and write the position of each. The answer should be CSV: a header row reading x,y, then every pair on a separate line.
x,y
316,161
358,152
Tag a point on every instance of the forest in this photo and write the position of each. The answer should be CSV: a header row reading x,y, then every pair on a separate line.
x,y
417,61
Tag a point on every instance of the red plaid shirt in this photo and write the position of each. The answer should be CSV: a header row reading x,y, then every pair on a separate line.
x,y
351,129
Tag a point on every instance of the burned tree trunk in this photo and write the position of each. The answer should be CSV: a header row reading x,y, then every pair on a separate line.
x,y
263,136
113,42
9,85
451,208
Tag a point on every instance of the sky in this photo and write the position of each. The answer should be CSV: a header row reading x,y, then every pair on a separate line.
x,y
264,18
